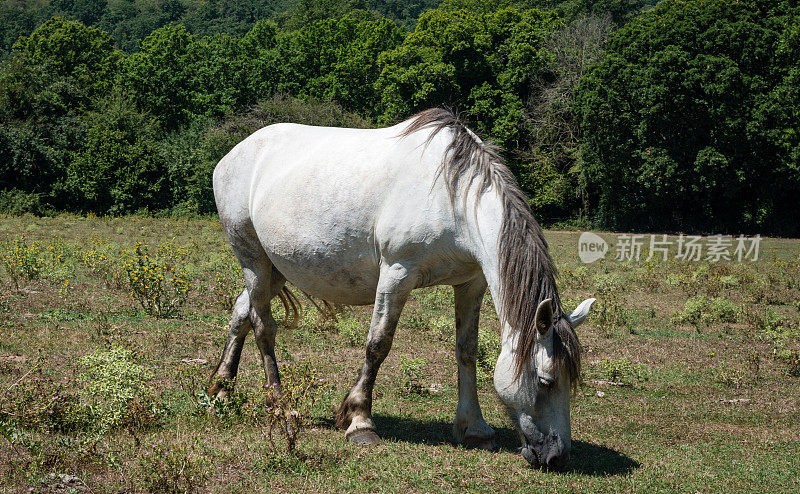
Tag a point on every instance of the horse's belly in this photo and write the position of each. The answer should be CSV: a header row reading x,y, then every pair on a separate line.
x,y
351,285
341,270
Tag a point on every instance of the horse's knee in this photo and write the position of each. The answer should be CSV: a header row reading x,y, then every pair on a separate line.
x,y
466,351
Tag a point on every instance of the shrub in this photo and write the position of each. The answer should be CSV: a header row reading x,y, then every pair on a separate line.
x,y
160,288
701,309
288,410
115,387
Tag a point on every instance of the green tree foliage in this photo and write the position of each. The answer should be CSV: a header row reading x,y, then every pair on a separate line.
x,y
18,18
53,77
118,169
480,63
691,120
163,78
337,59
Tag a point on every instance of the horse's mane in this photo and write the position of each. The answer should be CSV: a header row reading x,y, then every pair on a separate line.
x,y
527,272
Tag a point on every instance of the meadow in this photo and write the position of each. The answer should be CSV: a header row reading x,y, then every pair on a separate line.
x,y
110,328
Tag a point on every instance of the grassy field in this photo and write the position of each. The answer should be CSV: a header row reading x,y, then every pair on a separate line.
x,y
110,327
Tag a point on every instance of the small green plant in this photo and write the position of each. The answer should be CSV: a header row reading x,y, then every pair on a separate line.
x,y
112,382
224,408
351,331
99,261
742,371
40,402
622,370
287,410
173,468
443,327
488,353
783,335
650,277
611,313
160,288
412,375
434,297
704,310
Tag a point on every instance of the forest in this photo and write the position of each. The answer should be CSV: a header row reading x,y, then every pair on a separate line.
x,y
678,116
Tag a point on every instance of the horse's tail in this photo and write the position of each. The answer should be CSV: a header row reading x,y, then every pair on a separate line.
x,y
326,309
290,304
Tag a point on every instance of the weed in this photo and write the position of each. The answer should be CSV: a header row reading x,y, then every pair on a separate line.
x,y
488,353
231,406
443,327
412,374
622,370
611,313
41,403
701,309
350,330
287,410
417,320
21,260
435,297
100,264
172,468
650,277
785,338
742,371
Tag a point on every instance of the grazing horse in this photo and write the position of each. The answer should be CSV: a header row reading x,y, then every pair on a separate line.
x,y
360,217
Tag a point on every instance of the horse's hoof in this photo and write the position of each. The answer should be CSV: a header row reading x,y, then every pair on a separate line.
x,y
484,443
364,437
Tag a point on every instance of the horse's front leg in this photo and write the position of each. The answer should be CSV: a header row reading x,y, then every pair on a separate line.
x,y
469,428
355,412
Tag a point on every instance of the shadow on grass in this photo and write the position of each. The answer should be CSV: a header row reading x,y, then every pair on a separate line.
x,y
592,459
585,459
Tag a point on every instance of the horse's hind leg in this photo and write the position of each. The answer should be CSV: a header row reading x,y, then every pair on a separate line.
x,y
251,311
229,363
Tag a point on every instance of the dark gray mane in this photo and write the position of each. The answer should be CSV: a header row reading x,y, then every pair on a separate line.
x,y
527,273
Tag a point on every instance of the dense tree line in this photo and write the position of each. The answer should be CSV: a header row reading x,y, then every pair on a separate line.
x,y
682,116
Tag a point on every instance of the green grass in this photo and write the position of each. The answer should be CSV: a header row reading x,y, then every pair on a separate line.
x,y
694,412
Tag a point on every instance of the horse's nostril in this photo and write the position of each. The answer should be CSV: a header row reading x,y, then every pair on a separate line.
x,y
555,461
545,382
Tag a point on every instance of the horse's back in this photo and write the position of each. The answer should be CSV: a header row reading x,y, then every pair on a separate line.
x,y
330,205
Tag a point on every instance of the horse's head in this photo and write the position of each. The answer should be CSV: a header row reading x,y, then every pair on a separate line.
x,y
536,391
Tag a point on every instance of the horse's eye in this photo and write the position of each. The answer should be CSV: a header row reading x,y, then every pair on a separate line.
x,y
546,382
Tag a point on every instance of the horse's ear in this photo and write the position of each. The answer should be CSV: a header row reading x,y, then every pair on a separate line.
x,y
580,312
544,316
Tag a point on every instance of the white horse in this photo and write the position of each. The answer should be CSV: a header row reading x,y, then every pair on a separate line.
x,y
359,217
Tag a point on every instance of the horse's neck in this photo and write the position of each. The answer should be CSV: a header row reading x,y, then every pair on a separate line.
x,y
486,225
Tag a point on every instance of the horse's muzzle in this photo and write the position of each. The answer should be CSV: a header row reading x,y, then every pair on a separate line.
x,y
547,453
